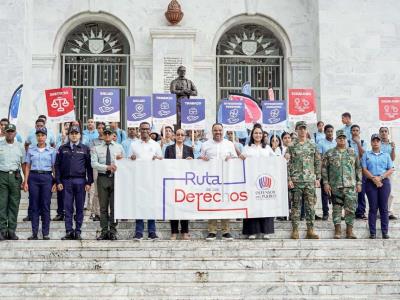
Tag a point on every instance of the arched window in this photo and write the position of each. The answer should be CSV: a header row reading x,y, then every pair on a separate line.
x,y
95,55
249,52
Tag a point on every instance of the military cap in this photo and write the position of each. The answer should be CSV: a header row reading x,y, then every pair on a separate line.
x,y
301,124
10,127
41,130
108,129
75,129
375,136
340,132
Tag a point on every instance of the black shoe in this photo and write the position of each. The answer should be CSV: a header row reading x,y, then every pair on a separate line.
x,y
138,236
385,236
2,237
78,236
325,217
96,218
318,218
103,236
33,237
58,218
362,217
227,237
211,237
392,217
280,218
153,236
372,236
12,236
112,236
26,219
46,238
69,236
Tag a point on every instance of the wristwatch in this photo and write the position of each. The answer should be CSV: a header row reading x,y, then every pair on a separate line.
x,y
382,177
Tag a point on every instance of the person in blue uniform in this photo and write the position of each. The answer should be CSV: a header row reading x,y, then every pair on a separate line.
x,y
74,176
39,181
377,167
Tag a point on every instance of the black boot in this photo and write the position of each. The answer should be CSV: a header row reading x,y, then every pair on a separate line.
x,y
69,236
12,236
33,237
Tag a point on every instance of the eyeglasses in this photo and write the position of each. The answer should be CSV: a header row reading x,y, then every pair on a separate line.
x,y
180,134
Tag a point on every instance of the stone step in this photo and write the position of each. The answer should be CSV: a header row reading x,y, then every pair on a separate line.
x,y
206,252
332,245
213,297
127,234
192,276
199,289
202,263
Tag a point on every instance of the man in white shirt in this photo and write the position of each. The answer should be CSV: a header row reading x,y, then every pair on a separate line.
x,y
218,148
145,149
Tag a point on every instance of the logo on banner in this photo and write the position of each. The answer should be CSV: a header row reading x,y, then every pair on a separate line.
x,y
302,105
193,114
138,114
264,182
60,104
164,109
274,116
265,188
391,111
233,116
106,108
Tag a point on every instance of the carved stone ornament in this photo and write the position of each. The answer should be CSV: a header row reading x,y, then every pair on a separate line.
x,y
174,12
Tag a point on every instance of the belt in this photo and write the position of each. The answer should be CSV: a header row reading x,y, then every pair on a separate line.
x,y
106,175
9,172
41,172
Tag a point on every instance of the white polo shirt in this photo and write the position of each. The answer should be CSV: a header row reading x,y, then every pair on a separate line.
x,y
145,150
220,150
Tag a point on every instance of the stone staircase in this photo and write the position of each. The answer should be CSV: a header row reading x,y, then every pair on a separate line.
x,y
278,268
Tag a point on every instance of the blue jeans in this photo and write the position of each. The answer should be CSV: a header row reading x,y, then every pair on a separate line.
x,y
151,226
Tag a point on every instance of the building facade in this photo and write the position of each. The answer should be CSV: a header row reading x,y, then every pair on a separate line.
x,y
348,51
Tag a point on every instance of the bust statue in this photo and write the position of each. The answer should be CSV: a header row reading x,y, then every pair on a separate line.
x,y
182,88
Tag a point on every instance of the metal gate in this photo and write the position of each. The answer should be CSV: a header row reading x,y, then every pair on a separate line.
x,y
251,53
84,73
95,55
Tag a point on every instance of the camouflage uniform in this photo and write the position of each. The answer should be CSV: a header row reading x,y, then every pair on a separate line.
x,y
341,169
304,167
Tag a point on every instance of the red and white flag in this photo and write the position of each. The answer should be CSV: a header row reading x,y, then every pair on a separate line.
x,y
302,105
60,105
389,111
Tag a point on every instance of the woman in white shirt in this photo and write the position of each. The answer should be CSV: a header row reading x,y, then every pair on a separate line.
x,y
257,148
276,145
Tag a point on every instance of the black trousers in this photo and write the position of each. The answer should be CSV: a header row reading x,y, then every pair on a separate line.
x,y
175,226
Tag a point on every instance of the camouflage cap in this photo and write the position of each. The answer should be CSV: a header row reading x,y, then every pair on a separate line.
x,y
340,132
375,136
108,129
301,124
10,127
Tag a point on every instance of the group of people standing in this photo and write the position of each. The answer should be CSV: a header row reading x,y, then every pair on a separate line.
x,y
80,166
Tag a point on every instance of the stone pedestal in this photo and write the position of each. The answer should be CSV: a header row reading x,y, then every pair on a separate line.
x,y
172,47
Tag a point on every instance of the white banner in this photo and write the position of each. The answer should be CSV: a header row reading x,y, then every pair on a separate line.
x,y
195,189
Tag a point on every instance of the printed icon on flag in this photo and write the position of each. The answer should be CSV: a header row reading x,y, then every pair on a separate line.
x,y
193,114
302,105
274,116
164,109
106,108
233,116
138,114
60,104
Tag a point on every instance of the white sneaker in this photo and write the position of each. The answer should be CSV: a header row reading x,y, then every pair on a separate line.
x,y
265,237
252,237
